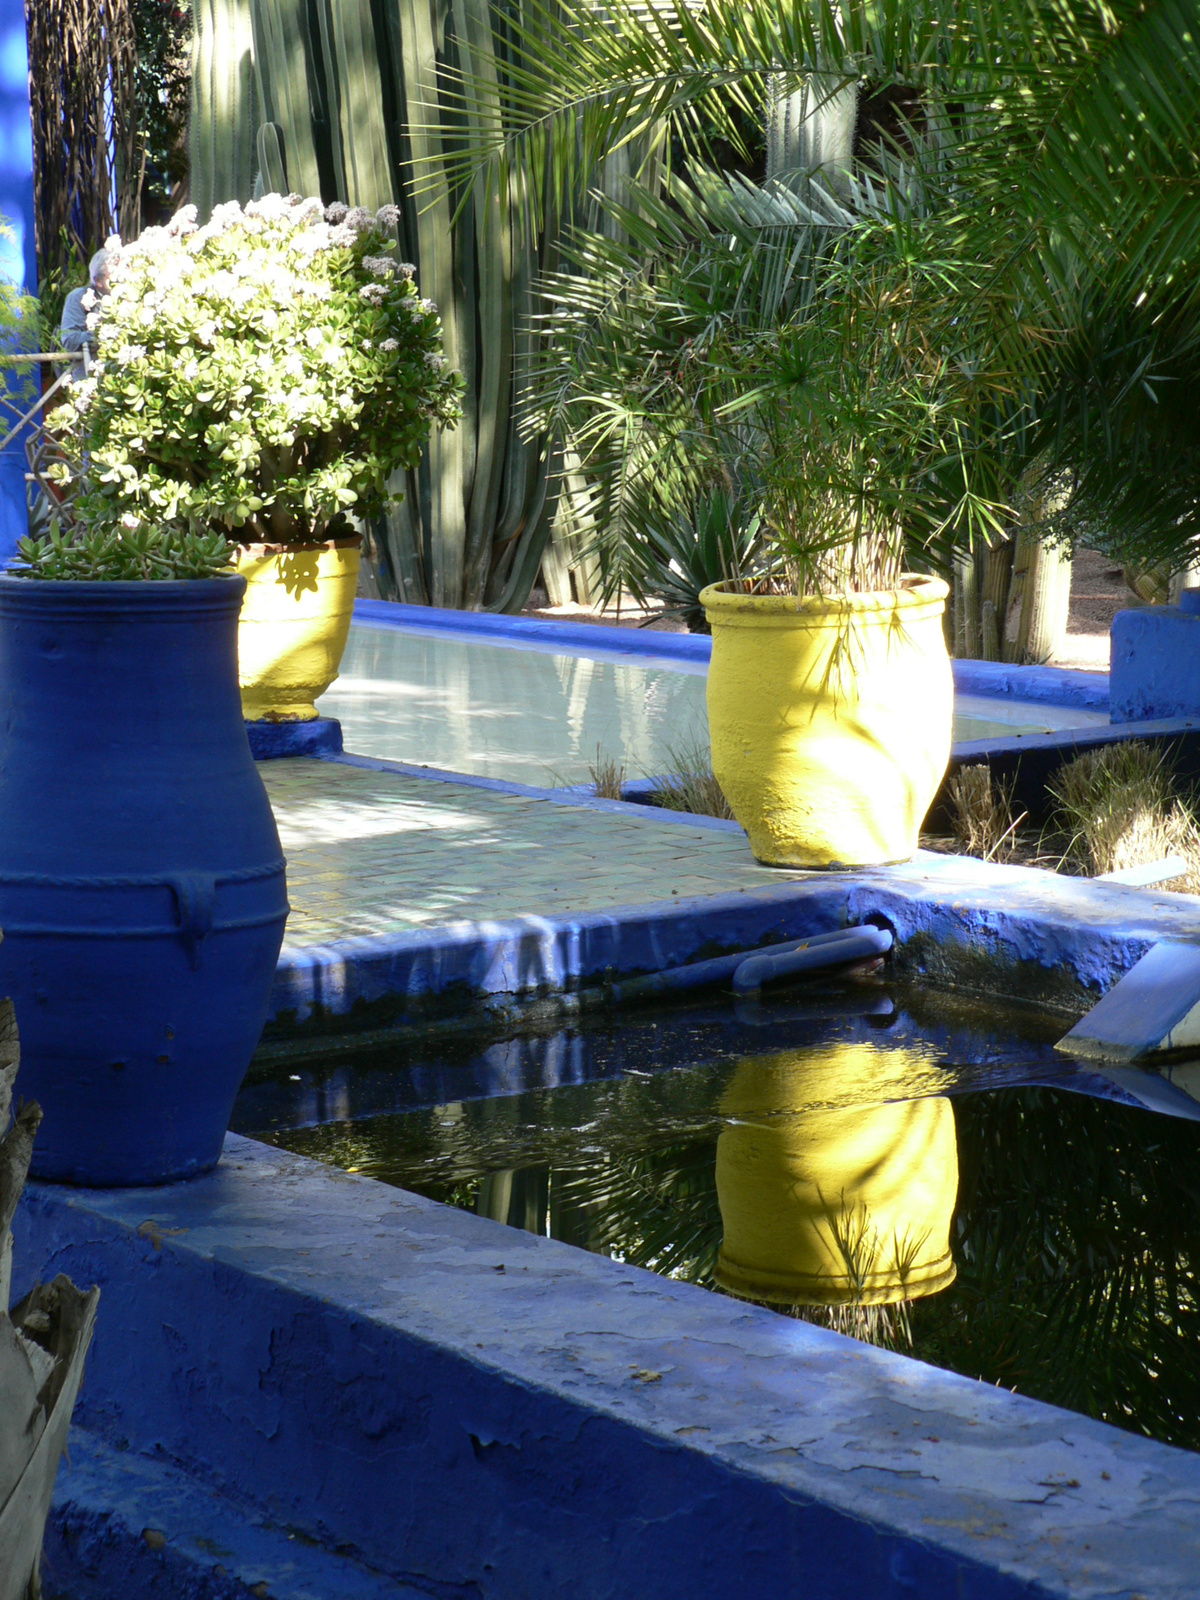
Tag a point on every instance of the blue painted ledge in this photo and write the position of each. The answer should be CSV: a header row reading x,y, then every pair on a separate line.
x,y
1052,686
126,1526
1048,686
481,1412
963,912
271,741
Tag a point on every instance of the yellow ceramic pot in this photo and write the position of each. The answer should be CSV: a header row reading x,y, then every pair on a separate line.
x,y
295,622
821,1205
830,720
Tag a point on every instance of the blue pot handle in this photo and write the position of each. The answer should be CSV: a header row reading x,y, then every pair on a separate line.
x,y
195,894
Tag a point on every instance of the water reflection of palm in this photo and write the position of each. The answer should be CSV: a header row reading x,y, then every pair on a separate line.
x,y
828,1197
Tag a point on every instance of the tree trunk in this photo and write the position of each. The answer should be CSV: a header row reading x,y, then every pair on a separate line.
x,y
967,629
810,130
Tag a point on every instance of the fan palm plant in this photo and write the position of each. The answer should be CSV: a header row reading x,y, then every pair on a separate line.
x,y
801,362
1064,143
913,350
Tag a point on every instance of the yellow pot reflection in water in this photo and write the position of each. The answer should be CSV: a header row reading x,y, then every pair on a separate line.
x,y
826,1197
294,626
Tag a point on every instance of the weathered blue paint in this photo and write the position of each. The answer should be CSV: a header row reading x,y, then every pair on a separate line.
x,y
126,1527
1155,664
998,918
524,957
142,893
271,741
1146,1011
1053,686
1048,686
484,1413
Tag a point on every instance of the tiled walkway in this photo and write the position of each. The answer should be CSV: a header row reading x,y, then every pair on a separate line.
x,y
380,853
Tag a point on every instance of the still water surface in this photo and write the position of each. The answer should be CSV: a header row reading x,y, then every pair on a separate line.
x,y
528,716
922,1173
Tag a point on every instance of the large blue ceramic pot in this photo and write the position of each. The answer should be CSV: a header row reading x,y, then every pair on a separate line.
x,y
142,893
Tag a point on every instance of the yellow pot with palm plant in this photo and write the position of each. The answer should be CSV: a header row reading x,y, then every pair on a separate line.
x,y
830,693
828,1195
825,387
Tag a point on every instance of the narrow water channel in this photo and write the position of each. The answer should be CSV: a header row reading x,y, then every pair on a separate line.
x,y
528,716
922,1173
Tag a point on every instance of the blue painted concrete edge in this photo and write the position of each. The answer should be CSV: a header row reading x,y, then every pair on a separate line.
x,y
1056,686
483,1412
1049,686
1092,931
533,633
1072,738
273,741
200,1545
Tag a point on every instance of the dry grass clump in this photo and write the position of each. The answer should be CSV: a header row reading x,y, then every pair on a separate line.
x,y
983,819
1120,807
690,785
608,776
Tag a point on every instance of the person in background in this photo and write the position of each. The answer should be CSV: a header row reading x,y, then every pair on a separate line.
x,y
74,333
75,337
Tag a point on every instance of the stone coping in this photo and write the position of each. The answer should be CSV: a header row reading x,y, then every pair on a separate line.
x,y
479,1411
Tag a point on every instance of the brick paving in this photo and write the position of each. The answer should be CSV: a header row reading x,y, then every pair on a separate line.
x,y
374,853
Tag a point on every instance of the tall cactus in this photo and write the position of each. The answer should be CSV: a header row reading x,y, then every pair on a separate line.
x,y
224,119
290,101
345,108
811,122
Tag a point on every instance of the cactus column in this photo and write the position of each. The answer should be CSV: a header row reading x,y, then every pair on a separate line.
x,y
349,107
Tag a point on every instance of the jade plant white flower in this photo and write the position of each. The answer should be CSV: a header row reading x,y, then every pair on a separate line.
x,y
262,376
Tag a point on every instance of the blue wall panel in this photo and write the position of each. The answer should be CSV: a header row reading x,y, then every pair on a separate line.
x,y
18,259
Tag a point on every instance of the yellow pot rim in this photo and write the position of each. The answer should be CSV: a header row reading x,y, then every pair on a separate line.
x,y
351,542
917,595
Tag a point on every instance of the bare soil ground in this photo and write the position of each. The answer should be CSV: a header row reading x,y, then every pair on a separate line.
x,y
1098,592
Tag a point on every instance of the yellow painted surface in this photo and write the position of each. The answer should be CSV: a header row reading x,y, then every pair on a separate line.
x,y
830,720
294,627
832,1206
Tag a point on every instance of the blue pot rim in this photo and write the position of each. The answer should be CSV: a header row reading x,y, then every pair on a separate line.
x,y
145,596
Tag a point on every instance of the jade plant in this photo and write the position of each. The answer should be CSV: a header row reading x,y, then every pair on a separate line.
x,y
261,377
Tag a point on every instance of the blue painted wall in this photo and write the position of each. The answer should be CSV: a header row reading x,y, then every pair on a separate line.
x,y
18,260
1155,664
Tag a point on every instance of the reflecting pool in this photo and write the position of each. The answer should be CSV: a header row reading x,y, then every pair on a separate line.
x,y
916,1171
528,716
